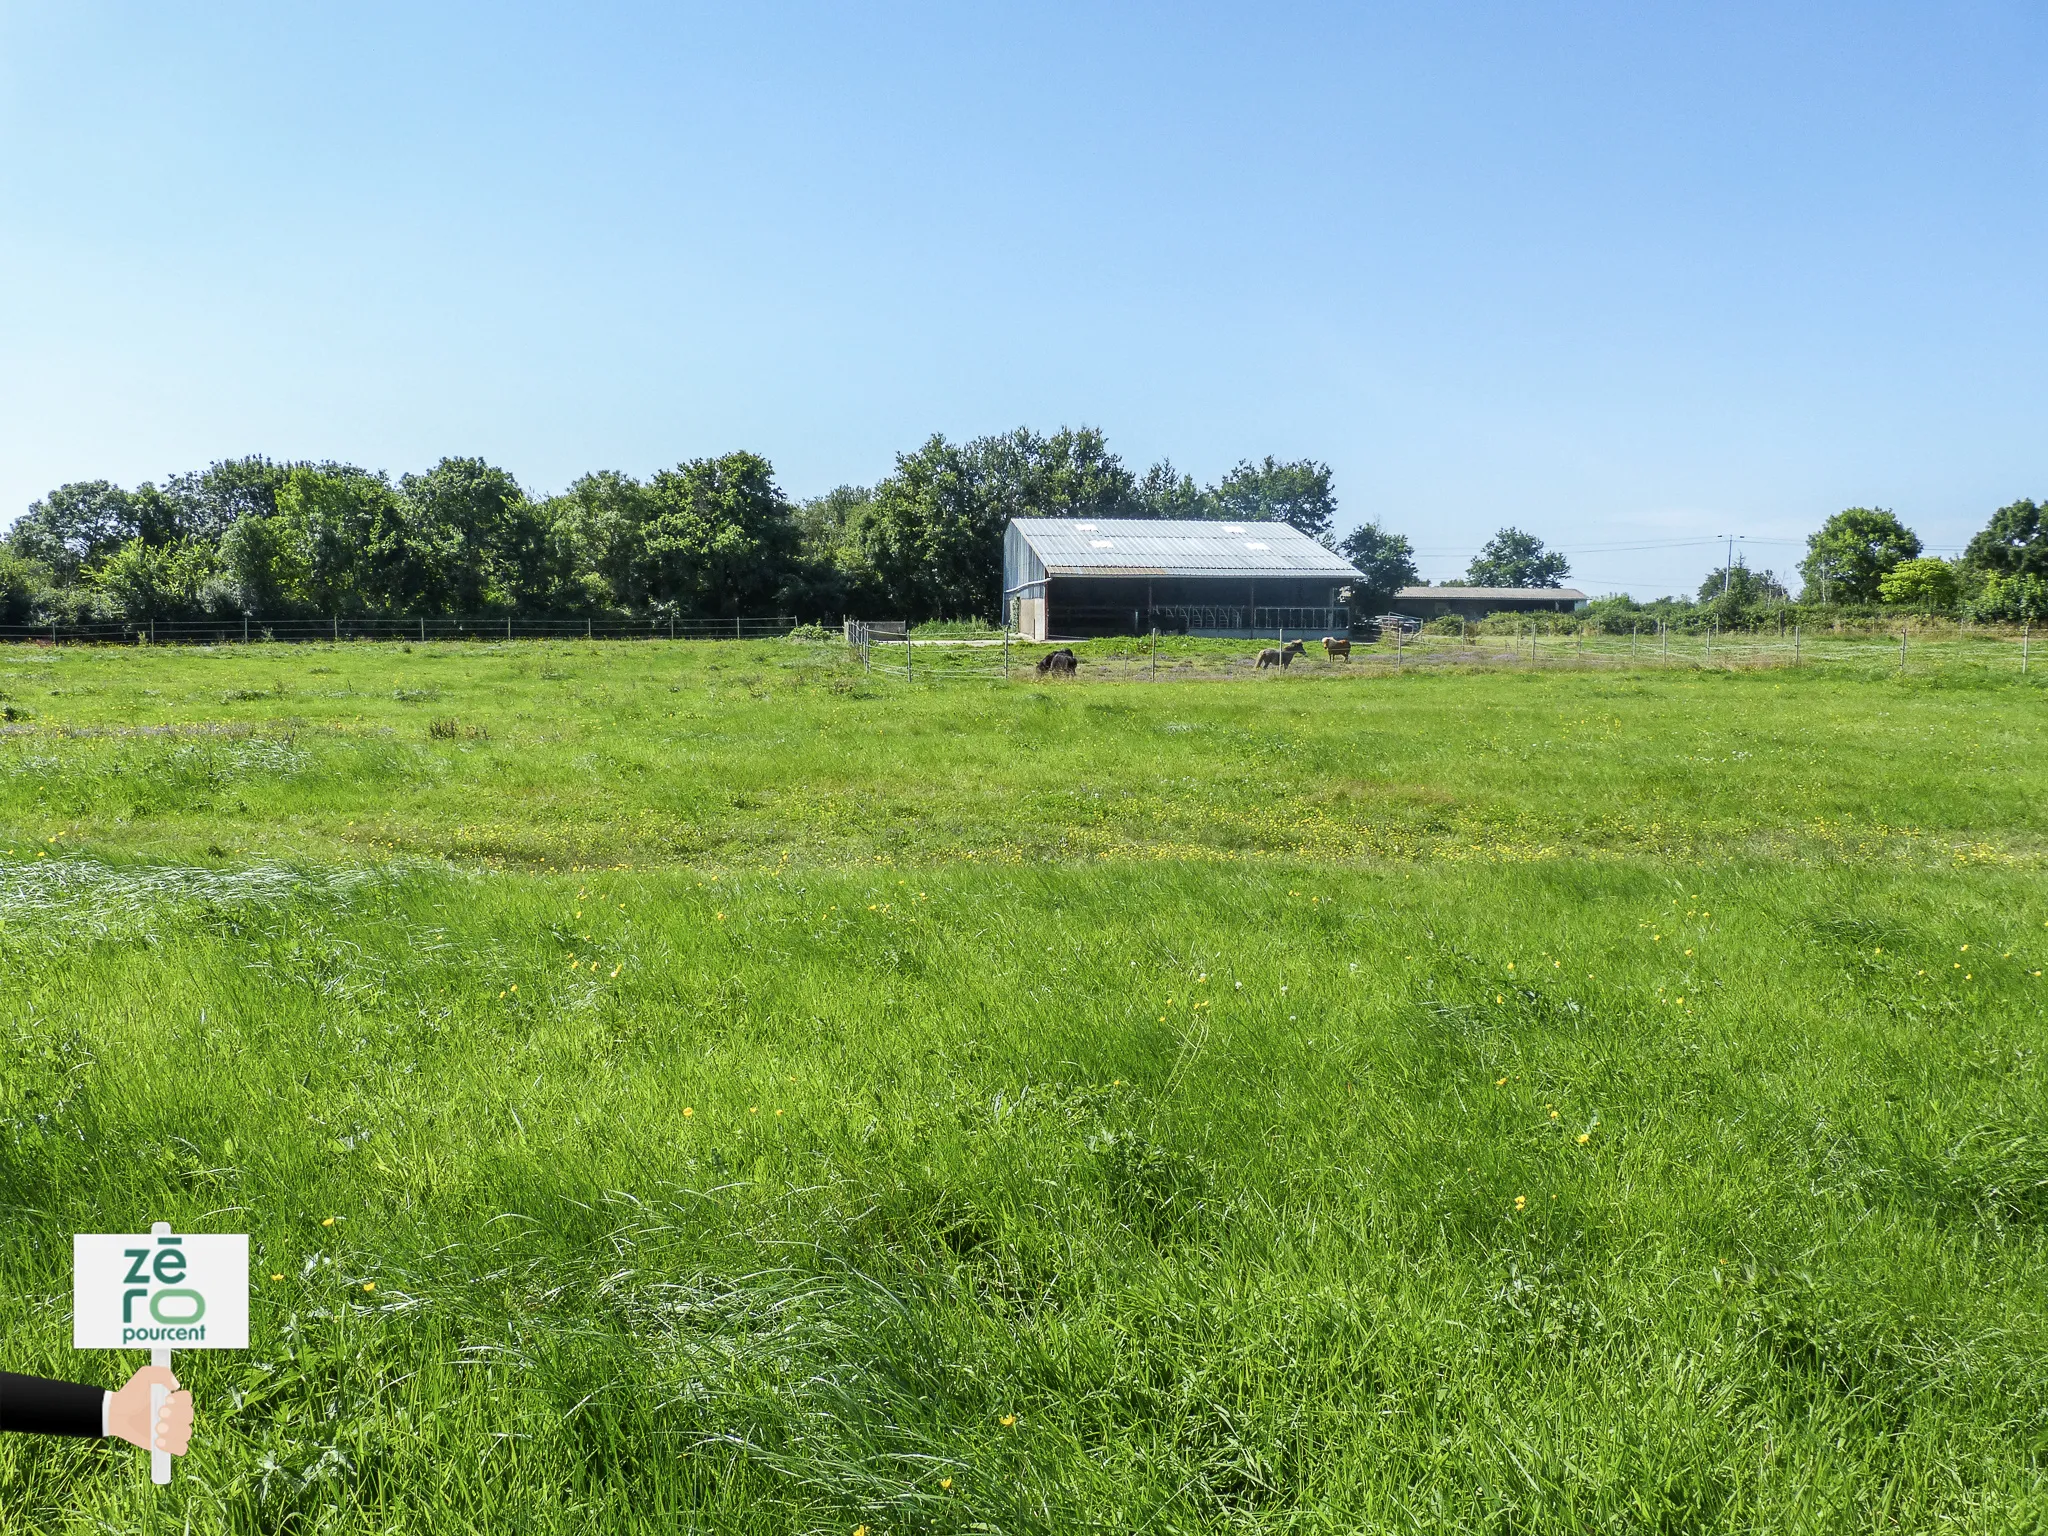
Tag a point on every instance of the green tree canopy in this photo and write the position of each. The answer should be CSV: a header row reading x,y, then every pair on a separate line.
x,y
347,539
1923,585
209,502
711,538
74,528
1069,474
1300,494
1742,587
1386,560
604,517
929,544
1848,558
1513,558
1163,491
720,538
157,581
2013,543
464,515
262,566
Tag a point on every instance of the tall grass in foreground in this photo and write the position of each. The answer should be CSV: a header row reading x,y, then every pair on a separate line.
x,y
1637,1125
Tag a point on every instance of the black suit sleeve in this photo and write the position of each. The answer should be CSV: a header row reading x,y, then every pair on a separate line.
x,y
35,1406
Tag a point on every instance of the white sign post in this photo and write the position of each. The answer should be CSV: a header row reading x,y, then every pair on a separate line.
x,y
159,1292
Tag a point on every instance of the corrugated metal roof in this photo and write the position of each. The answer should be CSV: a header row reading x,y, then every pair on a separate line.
x,y
1143,546
1495,594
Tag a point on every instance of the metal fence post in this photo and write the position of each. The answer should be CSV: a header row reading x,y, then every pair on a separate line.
x,y
245,629
906,652
1902,647
2026,630
337,628
1795,645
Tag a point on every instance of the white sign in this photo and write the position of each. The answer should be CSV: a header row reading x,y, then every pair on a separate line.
x,y
159,1291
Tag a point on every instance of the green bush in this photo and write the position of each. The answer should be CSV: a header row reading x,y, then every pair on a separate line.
x,y
2009,600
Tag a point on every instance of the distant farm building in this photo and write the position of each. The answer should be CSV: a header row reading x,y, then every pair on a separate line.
x,y
1070,578
1478,602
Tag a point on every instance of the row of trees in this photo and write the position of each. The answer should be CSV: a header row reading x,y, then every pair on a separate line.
x,y
1860,557
716,538
1865,560
1866,555
710,539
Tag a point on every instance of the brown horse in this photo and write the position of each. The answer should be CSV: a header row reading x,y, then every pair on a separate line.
x,y
1281,655
1335,648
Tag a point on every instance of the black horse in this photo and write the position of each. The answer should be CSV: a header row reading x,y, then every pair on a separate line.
x,y
1059,663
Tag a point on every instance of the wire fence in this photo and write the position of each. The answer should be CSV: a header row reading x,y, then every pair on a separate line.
x,y
251,630
1159,658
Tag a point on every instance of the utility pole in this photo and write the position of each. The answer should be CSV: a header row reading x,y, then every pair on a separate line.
x,y
1728,570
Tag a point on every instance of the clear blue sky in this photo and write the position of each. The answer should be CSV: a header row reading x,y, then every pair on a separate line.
x,y
1618,274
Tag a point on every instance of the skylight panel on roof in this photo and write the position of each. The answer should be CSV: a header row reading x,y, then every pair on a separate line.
x,y
1233,527
1084,527
1100,544
1254,543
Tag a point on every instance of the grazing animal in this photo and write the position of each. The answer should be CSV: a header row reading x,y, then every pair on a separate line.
x,y
1059,663
1335,648
1280,655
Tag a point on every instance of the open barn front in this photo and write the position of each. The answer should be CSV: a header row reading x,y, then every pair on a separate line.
x,y
1079,608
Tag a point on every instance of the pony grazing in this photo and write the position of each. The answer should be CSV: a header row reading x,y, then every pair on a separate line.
x,y
1280,655
1059,663
1335,648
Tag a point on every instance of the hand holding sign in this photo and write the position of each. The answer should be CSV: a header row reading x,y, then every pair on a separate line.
x,y
129,1416
158,1292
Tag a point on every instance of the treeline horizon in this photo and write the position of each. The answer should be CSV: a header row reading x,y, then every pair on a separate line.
x,y
711,539
717,539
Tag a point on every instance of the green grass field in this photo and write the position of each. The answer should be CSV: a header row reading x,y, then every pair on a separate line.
x,y
708,1087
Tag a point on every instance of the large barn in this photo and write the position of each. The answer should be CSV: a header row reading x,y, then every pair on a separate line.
x,y
1071,578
